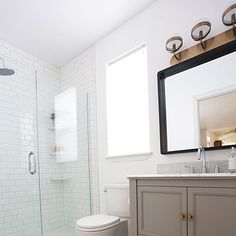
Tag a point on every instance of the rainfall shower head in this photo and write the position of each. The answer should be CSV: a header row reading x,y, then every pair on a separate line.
x,y
4,71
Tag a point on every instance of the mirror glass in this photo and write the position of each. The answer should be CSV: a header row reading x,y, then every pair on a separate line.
x,y
201,105
217,120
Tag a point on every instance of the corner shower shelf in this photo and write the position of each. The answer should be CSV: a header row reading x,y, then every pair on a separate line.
x,y
58,128
55,154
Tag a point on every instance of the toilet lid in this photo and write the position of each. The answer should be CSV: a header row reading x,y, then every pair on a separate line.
x,y
97,221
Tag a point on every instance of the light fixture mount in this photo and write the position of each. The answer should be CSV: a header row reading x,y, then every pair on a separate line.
x,y
173,44
229,17
200,32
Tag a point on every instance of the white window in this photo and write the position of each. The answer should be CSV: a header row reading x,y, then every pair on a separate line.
x,y
127,104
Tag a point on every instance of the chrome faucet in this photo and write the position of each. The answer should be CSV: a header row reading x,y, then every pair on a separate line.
x,y
201,155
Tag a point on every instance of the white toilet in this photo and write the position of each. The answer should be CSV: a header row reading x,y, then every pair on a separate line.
x,y
115,222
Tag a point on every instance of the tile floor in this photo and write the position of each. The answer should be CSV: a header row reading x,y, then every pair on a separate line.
x,y
64,231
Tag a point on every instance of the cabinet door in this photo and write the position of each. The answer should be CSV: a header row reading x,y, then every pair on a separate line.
x,y
213,212
162,211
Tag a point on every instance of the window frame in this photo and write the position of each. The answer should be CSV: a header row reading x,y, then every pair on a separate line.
x,y
135,155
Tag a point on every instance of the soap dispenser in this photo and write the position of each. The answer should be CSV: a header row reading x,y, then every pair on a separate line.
x,y
232,160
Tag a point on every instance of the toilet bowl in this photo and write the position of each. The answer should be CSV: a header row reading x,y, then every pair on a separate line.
x,y
115,221
102,225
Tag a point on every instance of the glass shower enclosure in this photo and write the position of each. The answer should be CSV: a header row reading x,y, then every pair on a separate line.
x,y
39,195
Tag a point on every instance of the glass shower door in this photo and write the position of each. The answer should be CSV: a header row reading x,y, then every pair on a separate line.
x,y
65,183
19,179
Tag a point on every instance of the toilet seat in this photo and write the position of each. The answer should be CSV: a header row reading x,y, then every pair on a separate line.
x,y
97,223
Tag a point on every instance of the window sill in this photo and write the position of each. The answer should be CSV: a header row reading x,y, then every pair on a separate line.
x,y
131,157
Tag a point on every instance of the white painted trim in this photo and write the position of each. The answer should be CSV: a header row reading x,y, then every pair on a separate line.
x,y
133,156
197,138
216,93
124,55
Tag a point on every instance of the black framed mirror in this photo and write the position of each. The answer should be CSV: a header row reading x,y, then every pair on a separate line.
x,y
197,102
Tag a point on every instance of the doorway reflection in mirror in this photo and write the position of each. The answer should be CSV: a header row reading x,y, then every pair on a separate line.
x,y
217,120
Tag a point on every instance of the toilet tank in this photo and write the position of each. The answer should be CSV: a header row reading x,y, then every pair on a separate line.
x,y
117,200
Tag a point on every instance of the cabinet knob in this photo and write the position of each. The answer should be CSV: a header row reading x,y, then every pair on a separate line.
x,y
182,216
190,216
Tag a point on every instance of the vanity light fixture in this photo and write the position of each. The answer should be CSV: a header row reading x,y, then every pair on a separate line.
x,y
229,17
200,31
173,44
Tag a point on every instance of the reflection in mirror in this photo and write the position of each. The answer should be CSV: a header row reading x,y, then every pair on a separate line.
x,y
217,120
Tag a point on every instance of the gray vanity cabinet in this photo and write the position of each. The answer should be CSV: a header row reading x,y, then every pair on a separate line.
x,y
183,207
161,211
213,212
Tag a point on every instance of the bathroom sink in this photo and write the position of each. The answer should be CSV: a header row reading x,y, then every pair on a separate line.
x,y
186,175
198,174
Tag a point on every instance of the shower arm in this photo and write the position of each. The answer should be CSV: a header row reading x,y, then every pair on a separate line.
x,y
3,62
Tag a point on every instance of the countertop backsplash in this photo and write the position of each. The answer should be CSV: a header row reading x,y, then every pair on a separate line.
x,y
184,167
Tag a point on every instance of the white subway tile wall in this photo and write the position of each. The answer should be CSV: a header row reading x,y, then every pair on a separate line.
x,y
62,201
51,191
81,73
19,191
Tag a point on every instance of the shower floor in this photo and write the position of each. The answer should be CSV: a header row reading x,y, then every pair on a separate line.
x,y
63,231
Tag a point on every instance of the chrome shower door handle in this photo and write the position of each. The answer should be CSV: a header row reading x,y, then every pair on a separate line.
x,y
32,163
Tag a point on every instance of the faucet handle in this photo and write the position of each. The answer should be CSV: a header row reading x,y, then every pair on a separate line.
x,y
216,169
190,168
199,151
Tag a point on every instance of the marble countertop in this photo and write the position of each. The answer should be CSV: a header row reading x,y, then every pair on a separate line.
x,y
185,176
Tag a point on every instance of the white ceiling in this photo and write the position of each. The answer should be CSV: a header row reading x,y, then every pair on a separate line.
x,y
58,30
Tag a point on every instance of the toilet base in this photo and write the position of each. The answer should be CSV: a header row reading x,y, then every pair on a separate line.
x,y
119,230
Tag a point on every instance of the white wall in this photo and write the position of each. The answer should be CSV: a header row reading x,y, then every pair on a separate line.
x,y
153,26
